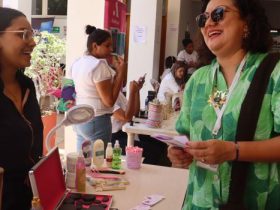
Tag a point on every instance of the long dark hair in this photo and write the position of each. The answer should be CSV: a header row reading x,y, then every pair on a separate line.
x,y
96,35
177,65
169,61
7,15
259,38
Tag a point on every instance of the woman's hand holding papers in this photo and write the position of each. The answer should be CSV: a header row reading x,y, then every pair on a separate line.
x,y
179,157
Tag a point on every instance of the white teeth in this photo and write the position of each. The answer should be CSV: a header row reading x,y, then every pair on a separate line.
x,y
213,33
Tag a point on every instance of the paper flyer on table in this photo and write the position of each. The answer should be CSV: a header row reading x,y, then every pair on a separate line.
x,y
178,141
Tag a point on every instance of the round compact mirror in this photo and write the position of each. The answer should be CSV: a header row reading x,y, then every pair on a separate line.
x,y
79,114
75,115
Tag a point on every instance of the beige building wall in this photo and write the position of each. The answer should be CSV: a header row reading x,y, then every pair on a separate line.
x,y
144,52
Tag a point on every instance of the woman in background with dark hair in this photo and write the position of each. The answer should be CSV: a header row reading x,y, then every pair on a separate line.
x,y
174,81
227,170
169,61
21,127
97,85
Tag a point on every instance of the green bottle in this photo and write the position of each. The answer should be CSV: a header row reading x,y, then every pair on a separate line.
x,y
117,153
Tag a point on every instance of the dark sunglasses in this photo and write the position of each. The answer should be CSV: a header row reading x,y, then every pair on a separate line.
x,y
216,15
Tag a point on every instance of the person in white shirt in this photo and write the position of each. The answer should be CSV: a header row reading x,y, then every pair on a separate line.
x,y
124,110
174,81
168,64
188,55
97,85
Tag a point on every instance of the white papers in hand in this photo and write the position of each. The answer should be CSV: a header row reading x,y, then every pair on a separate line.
x,y
178,141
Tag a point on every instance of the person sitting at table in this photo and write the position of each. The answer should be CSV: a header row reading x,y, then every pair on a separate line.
x,y
189,56
174,81
169,61
124,110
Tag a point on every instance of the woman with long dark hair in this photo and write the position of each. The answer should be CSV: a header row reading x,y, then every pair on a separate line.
x,y
21,127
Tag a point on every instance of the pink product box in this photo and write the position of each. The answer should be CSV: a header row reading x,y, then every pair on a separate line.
x,y
153,124
156,116
155,107
134,157
48,183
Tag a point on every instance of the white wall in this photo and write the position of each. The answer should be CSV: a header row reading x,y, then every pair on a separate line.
x,y
172,29
81,13
144,57
23,6
184,21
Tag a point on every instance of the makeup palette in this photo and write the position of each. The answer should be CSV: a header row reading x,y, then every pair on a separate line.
x,y
80,201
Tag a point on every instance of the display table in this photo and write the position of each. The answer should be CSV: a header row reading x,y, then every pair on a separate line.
x,y
150,179
139,127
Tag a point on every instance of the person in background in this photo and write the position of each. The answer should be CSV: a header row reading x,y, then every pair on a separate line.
x,y
124,110
21,127
174,81
169,61
97,84
237,38
189,56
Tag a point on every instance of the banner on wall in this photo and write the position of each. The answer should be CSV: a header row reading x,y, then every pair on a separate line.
x,y
115,22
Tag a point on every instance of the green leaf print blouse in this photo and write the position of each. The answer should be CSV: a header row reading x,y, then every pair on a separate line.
x,y
206,189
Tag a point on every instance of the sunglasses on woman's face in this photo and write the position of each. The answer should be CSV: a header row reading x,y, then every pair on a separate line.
x,y
216,15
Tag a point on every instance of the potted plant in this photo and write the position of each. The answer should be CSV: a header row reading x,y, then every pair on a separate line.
x,y
46,69
47,72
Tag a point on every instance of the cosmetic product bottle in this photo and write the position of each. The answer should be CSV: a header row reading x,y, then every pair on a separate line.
x,y
87,152
109,155
117,153
81,173
98,153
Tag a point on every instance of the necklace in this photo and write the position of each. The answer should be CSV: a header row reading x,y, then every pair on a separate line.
x,y
220,99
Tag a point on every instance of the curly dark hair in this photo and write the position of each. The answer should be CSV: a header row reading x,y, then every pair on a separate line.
x,y
96,35
259,38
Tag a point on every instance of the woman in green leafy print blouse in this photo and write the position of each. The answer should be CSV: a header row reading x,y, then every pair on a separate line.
x,y
236,38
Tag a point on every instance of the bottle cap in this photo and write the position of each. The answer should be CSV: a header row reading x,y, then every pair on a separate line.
x,y
117,144
109,144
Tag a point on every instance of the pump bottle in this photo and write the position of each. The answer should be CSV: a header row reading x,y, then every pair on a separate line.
x,y
117,152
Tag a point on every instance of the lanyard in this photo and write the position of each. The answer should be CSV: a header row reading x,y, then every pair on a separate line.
x,y
220,112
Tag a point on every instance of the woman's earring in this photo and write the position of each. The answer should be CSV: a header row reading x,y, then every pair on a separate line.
x,y
245,32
